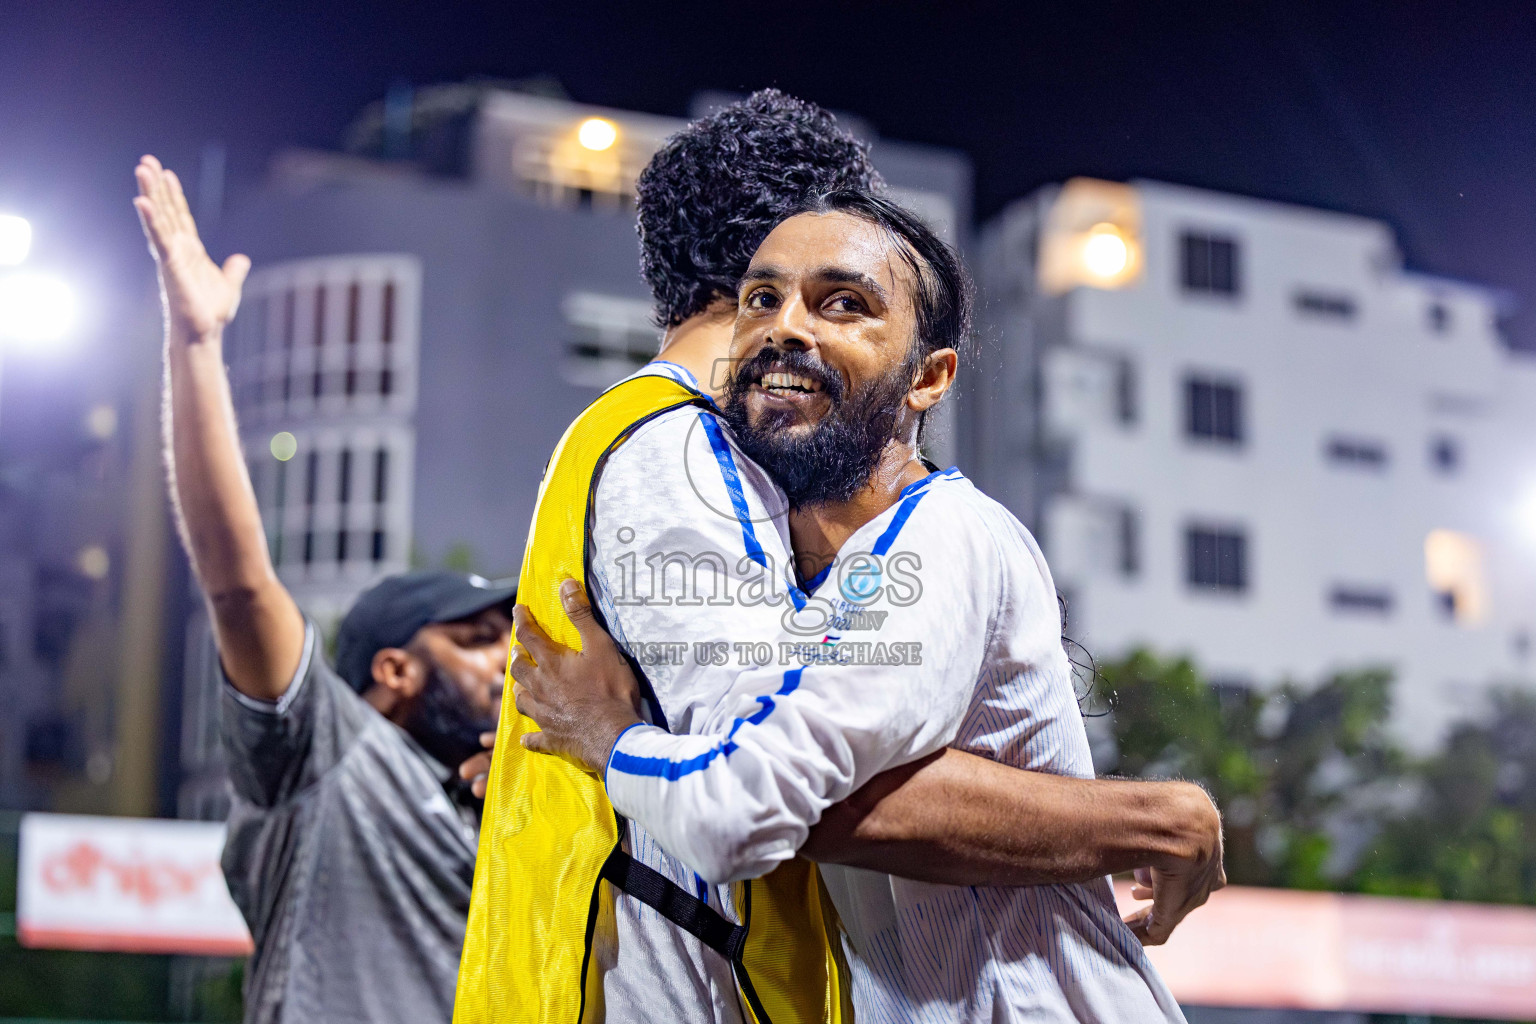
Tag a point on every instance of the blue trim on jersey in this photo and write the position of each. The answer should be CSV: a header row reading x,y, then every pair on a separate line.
x,y
614,750
666,768
910,496
733,485
673,372
903,513
818,579
952,473
676,371
722,449
797,596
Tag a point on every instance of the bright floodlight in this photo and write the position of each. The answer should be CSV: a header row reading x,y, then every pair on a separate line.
x,y
1105,253
93,561
597,133
15,239
101,421
284,446
35,307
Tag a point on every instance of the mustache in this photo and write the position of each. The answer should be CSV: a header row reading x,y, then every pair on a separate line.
x,y
749,371
830,462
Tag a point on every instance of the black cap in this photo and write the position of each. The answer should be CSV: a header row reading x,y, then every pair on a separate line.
x,y
389,614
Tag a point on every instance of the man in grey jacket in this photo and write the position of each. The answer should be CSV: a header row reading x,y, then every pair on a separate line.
x,y
351,839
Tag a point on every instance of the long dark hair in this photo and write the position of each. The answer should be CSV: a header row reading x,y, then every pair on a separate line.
x,y
1094,697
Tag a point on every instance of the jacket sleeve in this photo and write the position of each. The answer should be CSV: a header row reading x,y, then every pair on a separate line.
x,y
277,749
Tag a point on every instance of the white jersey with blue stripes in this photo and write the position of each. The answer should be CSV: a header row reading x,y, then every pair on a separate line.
x,y
661,501
936,626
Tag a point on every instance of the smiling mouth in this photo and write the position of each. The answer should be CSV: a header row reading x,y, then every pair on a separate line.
x,y
785,385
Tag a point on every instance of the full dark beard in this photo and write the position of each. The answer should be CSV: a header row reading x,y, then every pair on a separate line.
x,y
836,457
445,724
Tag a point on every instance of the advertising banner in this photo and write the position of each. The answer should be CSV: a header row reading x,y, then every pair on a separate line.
x,y
126,884
1324,951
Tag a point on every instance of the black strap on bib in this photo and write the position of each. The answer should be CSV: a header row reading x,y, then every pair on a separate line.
x,y
676,904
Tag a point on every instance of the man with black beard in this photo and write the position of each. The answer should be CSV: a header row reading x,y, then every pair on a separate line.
x,y
352,844
674,514
848,322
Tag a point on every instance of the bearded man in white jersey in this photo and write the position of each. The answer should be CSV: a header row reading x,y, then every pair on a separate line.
x,y
845,338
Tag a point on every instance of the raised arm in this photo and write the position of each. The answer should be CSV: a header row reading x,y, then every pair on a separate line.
x,y
258,627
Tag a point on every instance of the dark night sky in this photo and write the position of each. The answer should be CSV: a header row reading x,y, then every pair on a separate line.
x,y
1420,114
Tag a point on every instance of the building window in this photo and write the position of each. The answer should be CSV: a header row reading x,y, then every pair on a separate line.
x,y
1354,453
1368,600
317,386
380,496
1454,569
1214,410
585,163
1445,454
610,338
1325,305
1210,264
278,515
1129,543
328,336
52,743
1125,392
1438,317
1216,559
339,509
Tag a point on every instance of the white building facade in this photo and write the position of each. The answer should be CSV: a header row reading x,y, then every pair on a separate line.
x,y
1245,434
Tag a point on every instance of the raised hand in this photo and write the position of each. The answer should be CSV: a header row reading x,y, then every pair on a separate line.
x,y
200,297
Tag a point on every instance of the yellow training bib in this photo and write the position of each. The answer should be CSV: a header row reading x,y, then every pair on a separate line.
x,y
551,851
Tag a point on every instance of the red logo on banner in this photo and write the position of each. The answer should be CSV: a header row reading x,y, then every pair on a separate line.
x,y
84,865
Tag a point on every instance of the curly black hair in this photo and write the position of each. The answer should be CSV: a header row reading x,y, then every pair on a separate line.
x,y
714,191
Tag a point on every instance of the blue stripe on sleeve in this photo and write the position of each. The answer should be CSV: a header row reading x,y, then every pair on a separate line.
x,y
661,767
614,751
665,768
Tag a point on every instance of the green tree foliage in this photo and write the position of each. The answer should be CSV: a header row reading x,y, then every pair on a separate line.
x,y
1471,834
1316,793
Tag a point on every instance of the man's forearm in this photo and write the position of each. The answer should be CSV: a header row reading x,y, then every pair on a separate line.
x,y
259,630
959,819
